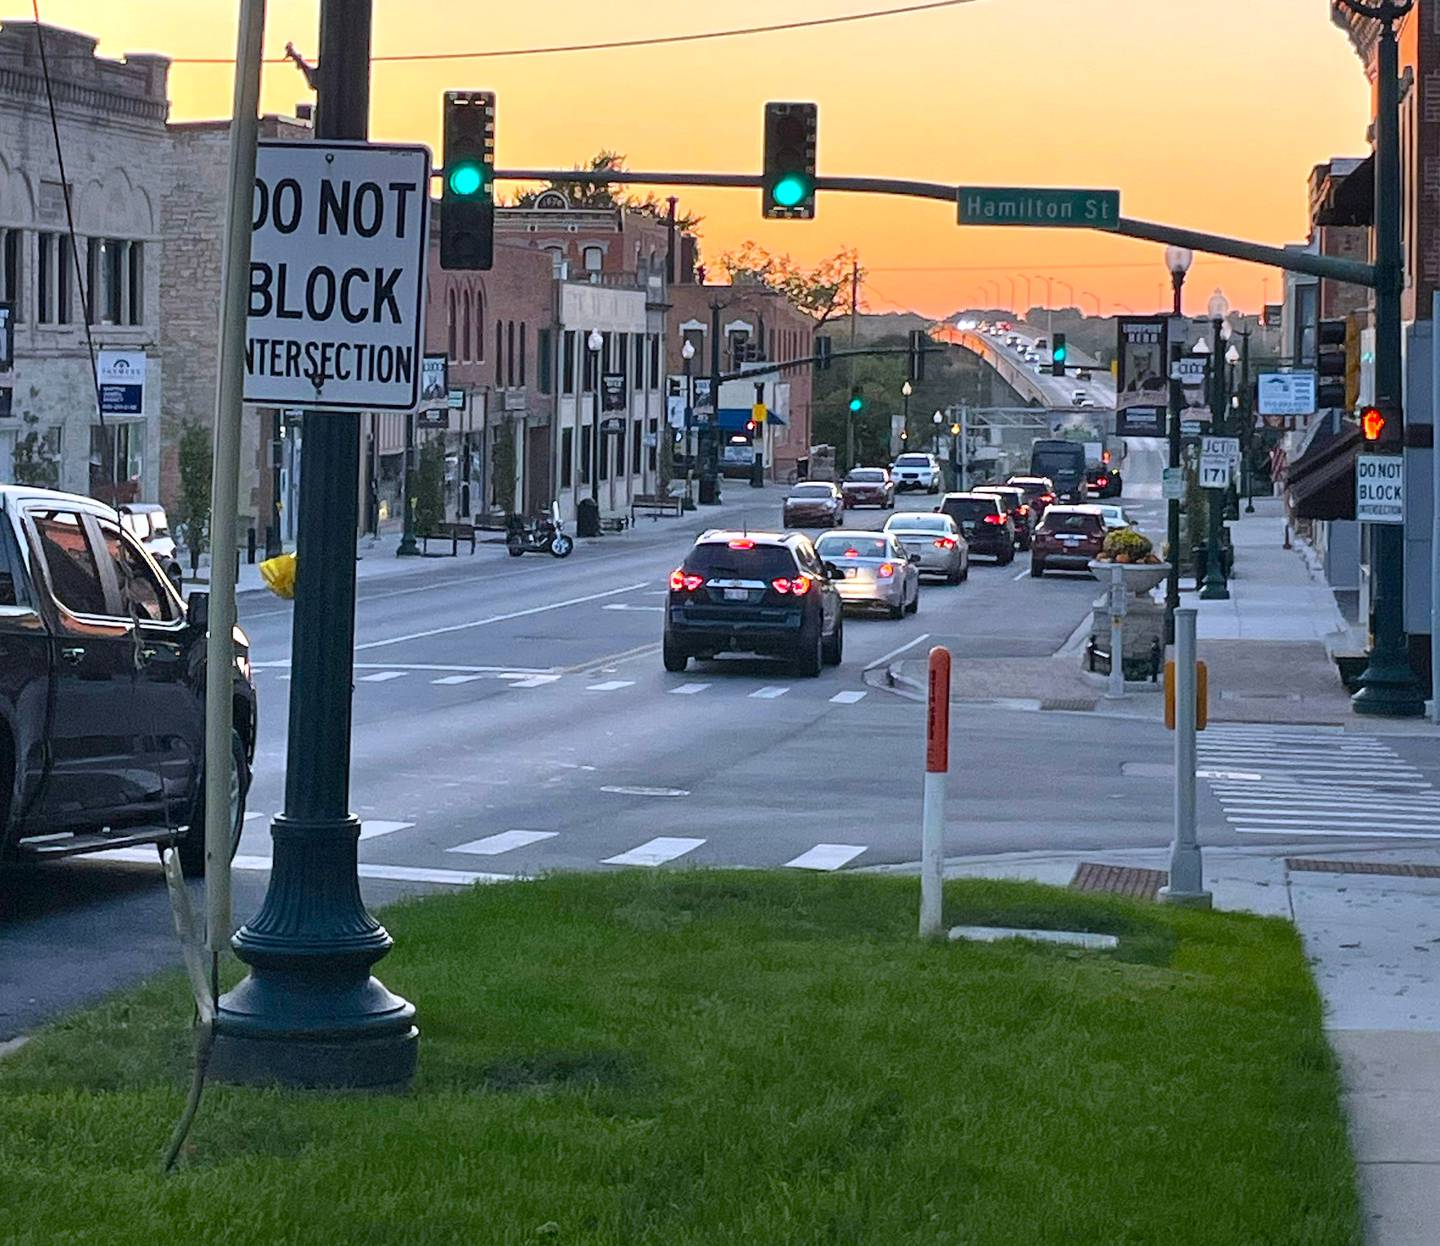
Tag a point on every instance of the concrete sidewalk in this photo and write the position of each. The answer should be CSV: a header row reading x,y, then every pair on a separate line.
x,y
1373,941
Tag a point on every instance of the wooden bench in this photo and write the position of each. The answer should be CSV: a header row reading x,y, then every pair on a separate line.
x,y
657,504
452,532
614,523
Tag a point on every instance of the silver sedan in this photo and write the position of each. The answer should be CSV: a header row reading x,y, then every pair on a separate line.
x,y
937,539
876,571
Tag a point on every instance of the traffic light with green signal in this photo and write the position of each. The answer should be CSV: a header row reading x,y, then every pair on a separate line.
x,y
467,199
857,399
1058,353
789,176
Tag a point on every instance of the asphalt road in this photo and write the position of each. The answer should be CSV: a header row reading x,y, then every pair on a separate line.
x,y
512,717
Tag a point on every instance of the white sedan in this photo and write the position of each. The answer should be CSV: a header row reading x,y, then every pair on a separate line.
x,y
1115,515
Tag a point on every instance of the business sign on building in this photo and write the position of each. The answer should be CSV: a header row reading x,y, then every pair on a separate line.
x,y
1379,488
337,276
612,391
1140,422
121,378
433,417
1287,393
455,399
7,336
1141,387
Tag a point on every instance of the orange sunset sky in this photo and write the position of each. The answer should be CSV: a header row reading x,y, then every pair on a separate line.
x,y
1203,115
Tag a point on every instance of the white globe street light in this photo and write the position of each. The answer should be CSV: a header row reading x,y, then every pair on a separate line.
x,y
1219,305
1178,259
595,341
686,352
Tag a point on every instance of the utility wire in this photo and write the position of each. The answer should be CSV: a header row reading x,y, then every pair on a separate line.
x,y
107,453
614,44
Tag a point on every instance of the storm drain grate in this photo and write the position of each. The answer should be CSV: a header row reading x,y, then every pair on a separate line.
x,y
1068,703
1119,880
1396,869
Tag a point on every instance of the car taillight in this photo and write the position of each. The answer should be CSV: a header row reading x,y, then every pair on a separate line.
x,y
995,519
681,582
1047,498
1022,510
742,544
851,553
885,570
945,542
797,587
1102,481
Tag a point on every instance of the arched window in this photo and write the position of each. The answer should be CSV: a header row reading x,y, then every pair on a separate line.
x,y
465,335
450,321
522,352
499,352
510,351
480,326
557,259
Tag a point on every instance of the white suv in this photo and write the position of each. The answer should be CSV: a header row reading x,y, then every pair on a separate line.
x,y
917,471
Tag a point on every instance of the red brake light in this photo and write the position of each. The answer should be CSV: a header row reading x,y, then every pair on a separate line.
x,y
1047,498
851,553
742,544
677,580
995,519
797,587
685,582
885,570
1022,510
1102,481
945,542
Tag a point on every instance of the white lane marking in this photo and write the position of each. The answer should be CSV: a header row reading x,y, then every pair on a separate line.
x,y
1250,776
848,697
620,605
1019,575
610,685
534,681
771,691
250,813
1295,832
1393,802
498,618
1396,821
825,857
656,851
381,677
895,653
414,874
645,791
373,829
451,680
688,690
505,841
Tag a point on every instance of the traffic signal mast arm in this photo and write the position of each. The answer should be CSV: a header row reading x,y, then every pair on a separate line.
x,y
1353,271
764,369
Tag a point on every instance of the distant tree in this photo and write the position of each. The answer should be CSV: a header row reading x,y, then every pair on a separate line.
x,y
822,291
429,490
603,194
192,509
34,461
502,467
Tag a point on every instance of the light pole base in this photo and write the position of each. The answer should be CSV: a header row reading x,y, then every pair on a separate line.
x,y
1214,590
687,504
407,547
1389,692
1185,899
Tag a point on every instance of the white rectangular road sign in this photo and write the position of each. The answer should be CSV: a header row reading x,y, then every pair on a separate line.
x,y
1287,393
1172,483
337,276
1189,370
1379,488
1220,447
1214,471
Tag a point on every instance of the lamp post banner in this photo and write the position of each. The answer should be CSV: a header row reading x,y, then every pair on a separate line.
x,y
1140,381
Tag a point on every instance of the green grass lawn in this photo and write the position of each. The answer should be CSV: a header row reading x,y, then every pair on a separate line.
x,y
732,1058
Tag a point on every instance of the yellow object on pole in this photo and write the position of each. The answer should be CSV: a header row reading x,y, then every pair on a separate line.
x,y
279,575
1202,695
757,413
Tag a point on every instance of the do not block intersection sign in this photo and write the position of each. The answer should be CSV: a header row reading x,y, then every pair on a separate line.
x,y
1380,488
337,276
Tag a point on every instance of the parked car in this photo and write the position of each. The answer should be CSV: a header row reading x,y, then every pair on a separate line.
x,y
918,471
1115,515
875,570
868,486
148,524
1022,518
1039,492
984,523
1104,480
936,539
1067,539
103,698
813,504
754,592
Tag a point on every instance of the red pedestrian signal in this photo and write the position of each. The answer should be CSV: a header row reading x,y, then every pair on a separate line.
x,y
1372,423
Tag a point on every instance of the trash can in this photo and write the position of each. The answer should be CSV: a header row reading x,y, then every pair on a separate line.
x,y
757,474
802,469
709,491
587,518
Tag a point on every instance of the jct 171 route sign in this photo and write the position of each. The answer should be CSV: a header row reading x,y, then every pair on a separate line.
x,y
1036,205
337,276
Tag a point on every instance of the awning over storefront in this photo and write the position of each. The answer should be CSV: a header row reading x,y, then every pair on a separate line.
x,y
734,419
1321,482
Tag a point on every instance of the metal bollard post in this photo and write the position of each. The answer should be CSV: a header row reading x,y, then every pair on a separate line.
x,y
1187,883
1116,687
937,764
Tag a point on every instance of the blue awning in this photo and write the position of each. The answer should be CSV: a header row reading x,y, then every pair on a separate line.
x,y
734,419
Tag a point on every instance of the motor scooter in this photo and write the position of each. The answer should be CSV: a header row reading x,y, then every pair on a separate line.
x,y
538,534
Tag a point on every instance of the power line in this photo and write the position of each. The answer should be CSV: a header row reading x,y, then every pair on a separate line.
x,y
614,44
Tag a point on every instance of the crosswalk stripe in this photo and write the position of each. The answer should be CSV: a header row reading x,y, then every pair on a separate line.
x,y
607,685
380,677
1395,820
372,828
534,681
449,680
1331,833
656,851
505,841
770,692
688,690
848,697
826,857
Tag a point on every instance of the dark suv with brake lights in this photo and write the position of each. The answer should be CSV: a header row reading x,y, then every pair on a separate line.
x,y
985,522
754,592
1021,516
1104,480
1039,492
1067,539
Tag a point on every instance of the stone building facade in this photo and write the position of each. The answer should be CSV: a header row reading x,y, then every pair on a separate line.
x,y
111,117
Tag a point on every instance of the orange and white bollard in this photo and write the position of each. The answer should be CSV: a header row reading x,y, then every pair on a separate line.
x,y
932,822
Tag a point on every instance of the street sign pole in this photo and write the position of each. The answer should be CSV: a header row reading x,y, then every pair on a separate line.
x,y
309,1014
1215,588
1172,506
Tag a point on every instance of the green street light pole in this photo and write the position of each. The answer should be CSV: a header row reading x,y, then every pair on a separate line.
x,y
1215,588
310,1013
408,547
1178,261
1388,687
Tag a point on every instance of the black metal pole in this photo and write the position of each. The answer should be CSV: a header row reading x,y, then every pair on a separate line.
x,y
1247,421
689,502
408,547
1172,506
595,433
1388,686
310,1014
715,309
272,529
1215,588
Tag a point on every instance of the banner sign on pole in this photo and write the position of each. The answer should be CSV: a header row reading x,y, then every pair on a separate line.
x,y
1379,488
1140,384
7,336
434,380
121,374
612,391
339,247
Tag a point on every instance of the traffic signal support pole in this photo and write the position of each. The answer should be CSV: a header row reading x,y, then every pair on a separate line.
x,y
310,1014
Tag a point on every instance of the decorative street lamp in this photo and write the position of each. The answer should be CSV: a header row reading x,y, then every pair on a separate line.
x,y
1177,263
905,392
687,353
1178,260
1215,588
595,342
937,419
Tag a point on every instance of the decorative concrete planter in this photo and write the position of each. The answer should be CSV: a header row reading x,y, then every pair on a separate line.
x,y
1140,577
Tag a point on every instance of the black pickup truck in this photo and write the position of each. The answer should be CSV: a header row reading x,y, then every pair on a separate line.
x,y
102,689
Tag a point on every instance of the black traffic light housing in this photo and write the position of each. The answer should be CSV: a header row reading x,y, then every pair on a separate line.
x,y
467,200
788,188
1330,363
1058,353
823,348
919,340
857,398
